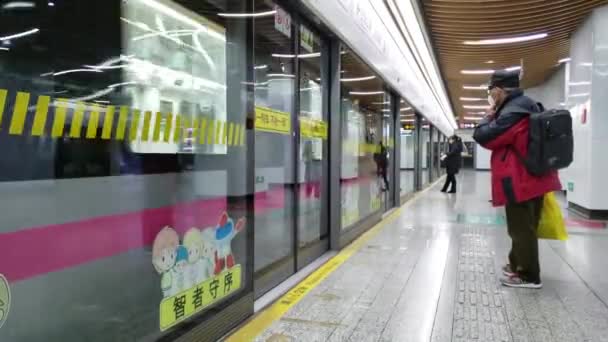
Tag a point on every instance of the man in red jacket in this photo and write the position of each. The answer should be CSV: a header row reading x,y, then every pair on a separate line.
x,y
505,132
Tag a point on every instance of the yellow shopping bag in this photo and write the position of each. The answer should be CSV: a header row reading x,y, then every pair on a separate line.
x,y
551,224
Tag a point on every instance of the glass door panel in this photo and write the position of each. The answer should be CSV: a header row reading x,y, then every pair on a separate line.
x,y
407,118
386,149
274,148
312,226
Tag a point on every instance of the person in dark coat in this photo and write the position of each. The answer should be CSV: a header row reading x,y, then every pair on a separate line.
x,y
453,161
382,163
505,132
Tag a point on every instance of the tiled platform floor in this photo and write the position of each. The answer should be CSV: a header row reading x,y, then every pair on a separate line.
x,y
428,276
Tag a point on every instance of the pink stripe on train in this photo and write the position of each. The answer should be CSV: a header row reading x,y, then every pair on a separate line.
x,y
35,251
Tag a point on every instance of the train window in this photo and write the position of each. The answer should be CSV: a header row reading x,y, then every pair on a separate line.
x,y
180,57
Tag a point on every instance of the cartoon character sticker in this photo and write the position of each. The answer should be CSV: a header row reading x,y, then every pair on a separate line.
x,y
164,255
208,253
193,242
200,256
5,299
179,271
225,231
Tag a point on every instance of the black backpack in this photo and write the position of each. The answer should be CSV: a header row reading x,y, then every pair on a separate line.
x,y
550,142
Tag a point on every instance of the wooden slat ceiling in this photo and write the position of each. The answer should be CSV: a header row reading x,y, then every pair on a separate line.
x,y
451,22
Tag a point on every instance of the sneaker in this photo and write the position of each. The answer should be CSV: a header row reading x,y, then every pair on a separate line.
x,y
507,271
517,282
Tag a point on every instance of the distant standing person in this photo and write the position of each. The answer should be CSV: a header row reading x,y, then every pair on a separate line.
x,y
382,164
453,161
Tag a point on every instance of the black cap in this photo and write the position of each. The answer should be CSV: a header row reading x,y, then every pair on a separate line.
x,y
504,79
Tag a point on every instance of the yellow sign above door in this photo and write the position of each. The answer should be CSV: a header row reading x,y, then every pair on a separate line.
x,y
313,128
270,120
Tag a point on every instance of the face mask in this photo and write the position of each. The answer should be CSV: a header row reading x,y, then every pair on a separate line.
x,y
491,101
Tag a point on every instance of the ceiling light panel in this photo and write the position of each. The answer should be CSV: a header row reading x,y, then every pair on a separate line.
x,y
506,40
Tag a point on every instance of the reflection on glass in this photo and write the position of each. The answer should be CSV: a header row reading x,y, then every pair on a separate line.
x,y
313,136
408,148
425,142
436,154
274,145
116,165
384,155
364,104
177,60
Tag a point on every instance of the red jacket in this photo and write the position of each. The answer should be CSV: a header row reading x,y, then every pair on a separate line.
x,y
504,136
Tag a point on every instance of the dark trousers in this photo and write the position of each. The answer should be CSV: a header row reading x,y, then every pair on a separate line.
x,y
451,179
522,223
382,173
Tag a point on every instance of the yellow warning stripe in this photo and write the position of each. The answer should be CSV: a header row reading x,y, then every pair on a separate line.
x,y
3,93
59,122
168,126
252,329
202,130
122,123
93,123
108,121
264,319
42,109
76,125
19,113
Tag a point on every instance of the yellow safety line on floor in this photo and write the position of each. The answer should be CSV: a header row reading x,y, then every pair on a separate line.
x,y
260,322
264,319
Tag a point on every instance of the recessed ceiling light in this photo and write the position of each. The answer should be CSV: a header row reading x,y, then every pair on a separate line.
x,y
19,35
579,83
471,99
579,95
18,5
489,62
73,71
281,75
565,60
506,40
366,93
475,107
472,118
358,79
403,109
479,87
477,72
247,15
310,55
488,71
